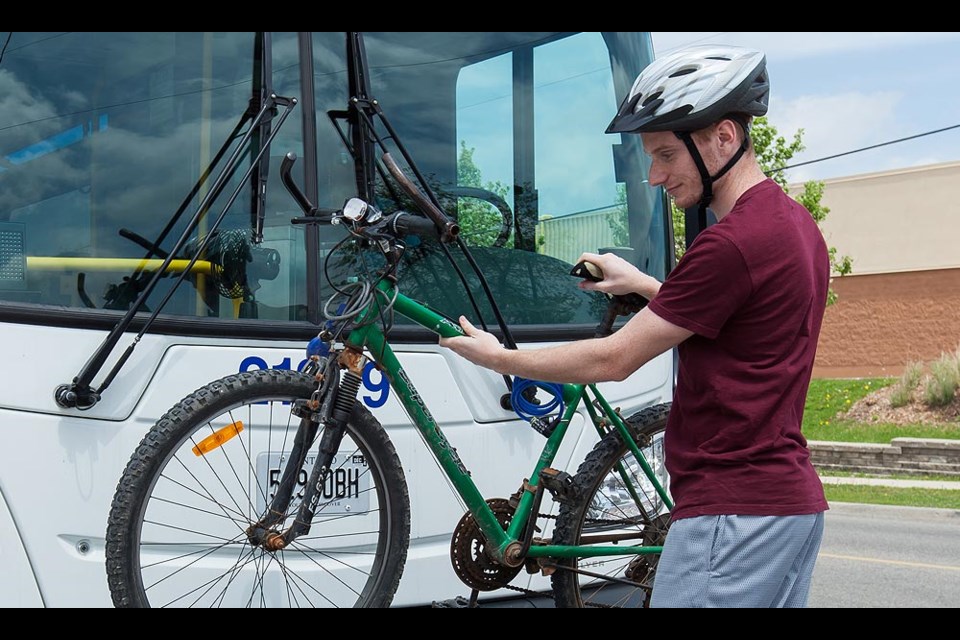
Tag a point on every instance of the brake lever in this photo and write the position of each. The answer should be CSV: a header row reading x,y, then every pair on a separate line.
x,y
285,168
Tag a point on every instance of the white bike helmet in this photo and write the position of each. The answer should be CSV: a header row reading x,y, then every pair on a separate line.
x,y
694,87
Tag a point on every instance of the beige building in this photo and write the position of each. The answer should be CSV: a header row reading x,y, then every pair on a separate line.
x,y
902,301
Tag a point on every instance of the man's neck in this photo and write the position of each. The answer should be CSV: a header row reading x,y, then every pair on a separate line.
x,y
743,176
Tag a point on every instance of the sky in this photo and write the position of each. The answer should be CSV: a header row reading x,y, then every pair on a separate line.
x,y
848,91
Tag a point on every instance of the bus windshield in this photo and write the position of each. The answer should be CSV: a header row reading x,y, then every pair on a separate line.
x,y
104,154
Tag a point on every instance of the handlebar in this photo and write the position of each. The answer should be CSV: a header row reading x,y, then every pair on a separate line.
x,y
449,230
436,225
403,223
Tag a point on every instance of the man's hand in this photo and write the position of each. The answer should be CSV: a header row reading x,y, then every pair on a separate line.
x,y
477,346
619,276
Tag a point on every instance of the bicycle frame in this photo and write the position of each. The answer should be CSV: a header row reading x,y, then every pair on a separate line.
x,y
505,545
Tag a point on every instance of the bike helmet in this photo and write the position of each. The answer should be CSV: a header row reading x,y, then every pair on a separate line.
x,y
691,89
694,87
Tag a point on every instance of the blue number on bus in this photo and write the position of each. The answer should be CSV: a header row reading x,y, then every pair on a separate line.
x,y
381,388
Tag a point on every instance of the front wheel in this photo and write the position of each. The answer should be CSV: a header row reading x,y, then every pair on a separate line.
x,y
177,534
615,503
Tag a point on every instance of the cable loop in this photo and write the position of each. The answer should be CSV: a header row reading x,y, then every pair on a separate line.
x,y
527,409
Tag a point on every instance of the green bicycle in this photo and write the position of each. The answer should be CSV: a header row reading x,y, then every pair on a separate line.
x,y
278,488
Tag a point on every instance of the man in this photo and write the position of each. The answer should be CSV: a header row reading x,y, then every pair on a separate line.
x,y
744,307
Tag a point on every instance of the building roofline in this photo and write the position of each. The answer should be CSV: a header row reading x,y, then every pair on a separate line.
x,y
880,174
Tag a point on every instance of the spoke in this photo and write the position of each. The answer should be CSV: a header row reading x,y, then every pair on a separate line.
x,y
204,588
196,555
311,558
226,514
209,496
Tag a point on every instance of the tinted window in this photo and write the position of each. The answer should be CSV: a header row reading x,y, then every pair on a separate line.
x,y
104,138
508,130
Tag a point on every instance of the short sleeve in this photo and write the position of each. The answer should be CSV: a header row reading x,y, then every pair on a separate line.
x,y
710,283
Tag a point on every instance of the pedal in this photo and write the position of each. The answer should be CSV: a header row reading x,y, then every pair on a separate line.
x,y
453,603
558,483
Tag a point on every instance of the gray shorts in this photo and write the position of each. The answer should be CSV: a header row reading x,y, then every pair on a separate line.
x,y
738,561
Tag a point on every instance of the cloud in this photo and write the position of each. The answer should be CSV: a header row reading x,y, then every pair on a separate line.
x,y
835,124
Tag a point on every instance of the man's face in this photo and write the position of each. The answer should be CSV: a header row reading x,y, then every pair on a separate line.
x,y
673,167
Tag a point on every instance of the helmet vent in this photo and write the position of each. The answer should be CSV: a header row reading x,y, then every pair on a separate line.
x,y
650,98
683,72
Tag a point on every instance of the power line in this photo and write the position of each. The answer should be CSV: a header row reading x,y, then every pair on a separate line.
x,y
875,146
5,45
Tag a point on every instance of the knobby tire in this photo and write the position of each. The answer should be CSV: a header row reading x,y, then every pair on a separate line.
x,y
604,505
176,531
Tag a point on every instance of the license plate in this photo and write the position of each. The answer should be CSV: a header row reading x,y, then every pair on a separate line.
x,y
345,491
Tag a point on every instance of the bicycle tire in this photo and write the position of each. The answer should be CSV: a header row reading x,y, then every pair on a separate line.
x,y
176,531
602,503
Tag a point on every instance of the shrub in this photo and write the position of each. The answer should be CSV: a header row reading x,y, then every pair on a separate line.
x,y
941,384
902,392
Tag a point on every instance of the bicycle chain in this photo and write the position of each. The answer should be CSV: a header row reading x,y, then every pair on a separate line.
x,y
486,575
549,594
478,572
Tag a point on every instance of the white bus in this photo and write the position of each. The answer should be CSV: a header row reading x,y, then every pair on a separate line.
x,y
120,150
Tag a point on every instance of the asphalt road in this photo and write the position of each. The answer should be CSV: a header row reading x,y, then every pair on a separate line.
x,y
876,556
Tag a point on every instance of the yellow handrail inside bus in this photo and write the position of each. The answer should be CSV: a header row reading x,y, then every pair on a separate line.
x,y
44,263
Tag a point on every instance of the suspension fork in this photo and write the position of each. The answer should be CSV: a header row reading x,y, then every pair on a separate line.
x,y
311,412
334,414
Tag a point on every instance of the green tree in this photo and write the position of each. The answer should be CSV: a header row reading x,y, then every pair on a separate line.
x,y
774,151
480,222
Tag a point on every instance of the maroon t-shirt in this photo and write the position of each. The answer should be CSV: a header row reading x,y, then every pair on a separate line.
x,y
752,288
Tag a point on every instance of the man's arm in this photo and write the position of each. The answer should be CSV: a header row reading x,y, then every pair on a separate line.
x,y
614,357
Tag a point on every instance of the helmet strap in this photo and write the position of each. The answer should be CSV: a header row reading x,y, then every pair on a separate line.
x,y
705,176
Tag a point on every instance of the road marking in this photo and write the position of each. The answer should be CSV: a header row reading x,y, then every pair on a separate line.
x,y
894,562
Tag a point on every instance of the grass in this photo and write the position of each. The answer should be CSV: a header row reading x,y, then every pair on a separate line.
x,y
897,496
827,398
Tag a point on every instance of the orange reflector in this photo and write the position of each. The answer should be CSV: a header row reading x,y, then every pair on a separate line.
x,y
217,439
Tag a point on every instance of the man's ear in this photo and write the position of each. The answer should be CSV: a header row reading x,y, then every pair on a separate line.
x,y
728,132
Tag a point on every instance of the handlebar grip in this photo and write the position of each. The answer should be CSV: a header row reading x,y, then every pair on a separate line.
x,y
408,224
448,230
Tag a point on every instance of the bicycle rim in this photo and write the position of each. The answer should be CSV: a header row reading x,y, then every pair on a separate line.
x,y
178,530
615,501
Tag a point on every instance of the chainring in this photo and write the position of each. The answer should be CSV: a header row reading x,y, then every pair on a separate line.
x,y
468,551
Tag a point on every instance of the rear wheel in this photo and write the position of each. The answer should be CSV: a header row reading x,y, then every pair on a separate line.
x,y
177,532
615,503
